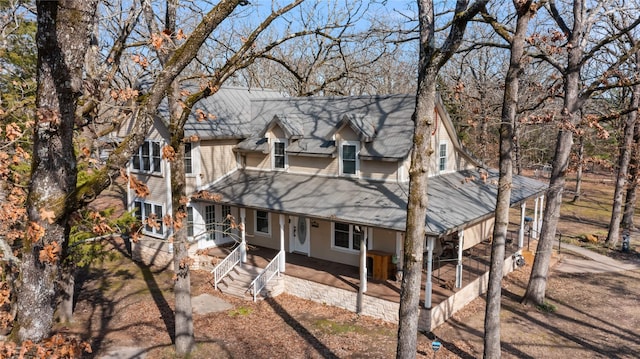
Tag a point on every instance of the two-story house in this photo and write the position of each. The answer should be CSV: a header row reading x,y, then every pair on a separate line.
x,y
324,178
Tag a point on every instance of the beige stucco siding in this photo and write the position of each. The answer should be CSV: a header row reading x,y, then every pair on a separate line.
x,y
384,240
321,246
257,160
157,131
157,187
346,134
379,170
320,239
216,159
271,240
191,184
313,165
478,233
275,132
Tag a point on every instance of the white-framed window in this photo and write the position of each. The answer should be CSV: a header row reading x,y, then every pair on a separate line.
x,y
278,154
442,157
210,221
345,236
192,159
349,163
148,159
145,211
262,222
188,158
190,222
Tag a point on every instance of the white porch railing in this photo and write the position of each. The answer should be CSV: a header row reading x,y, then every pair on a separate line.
x,y
226,265
266,275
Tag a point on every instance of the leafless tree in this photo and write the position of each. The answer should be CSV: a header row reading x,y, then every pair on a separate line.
x,y
432,58
579,46
137,63
344,60
516,39
626,147
62,40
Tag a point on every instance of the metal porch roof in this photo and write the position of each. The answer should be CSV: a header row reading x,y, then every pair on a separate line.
x,y
455,199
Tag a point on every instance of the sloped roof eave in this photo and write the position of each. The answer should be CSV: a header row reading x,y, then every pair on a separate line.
x,y
455,202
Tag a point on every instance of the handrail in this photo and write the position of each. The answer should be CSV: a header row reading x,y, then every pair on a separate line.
x,y
266,275
226,265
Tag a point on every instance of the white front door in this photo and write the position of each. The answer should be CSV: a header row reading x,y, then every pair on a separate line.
x,y
299,232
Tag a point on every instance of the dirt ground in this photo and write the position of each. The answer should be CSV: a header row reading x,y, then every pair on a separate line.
x,y
124,304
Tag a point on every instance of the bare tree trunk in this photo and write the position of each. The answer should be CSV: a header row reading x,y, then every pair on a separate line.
x,y
416,215
62,39
516,149
184,339
623,166
183,313
492,347
431,60
572,103
634,177
538,279
576,196
632,173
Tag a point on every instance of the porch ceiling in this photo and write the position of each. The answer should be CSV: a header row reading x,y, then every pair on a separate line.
x,y
455,199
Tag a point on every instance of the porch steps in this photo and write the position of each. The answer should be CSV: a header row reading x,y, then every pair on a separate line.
x,y
237,283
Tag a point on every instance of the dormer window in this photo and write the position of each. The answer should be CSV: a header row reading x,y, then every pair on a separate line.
x,y
349,164
442,157
279,156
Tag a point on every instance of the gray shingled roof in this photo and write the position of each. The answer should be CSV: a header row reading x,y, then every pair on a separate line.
x,y
385,121
456,200
231,107
312,147
362,125
388,117
253,144
290,124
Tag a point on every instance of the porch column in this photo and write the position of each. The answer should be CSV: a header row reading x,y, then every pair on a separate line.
x,y
363,270
523,208
399,255
534,226
539,224
281,262
363,260
428,286
459,266
243,232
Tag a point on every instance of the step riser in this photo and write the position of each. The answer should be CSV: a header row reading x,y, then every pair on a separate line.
x,y
238,280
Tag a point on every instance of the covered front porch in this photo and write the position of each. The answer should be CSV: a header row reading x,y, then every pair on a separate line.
x,y
475,262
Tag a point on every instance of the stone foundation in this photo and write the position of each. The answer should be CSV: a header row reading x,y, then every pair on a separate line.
x,y
153,252
437,315
321,293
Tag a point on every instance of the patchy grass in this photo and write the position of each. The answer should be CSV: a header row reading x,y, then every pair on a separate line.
x,y
332,327
329,326
240,312
547,307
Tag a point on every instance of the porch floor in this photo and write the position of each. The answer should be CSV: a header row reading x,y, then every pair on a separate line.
x,y
475,262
